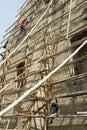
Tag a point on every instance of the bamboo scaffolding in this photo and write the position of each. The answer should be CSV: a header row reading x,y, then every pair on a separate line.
x,y
45,99
76,77
25,39
62,38
66,49
66,13
61,7
17,26
69,19
59,40
18,76
26,17
27,34
63,96
12,25
24,5
28,8
38,84
57,53
27,115
75,94
58,18
44,26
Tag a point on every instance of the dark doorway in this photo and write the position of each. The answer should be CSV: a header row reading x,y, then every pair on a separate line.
x,y
20,70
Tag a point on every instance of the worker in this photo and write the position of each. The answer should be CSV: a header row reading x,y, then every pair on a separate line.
x,y
23,23
54,112
46,1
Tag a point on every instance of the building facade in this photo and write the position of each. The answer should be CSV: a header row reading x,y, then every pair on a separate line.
x,y
62,29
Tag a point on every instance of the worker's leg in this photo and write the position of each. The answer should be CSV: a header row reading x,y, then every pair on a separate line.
x,y
22,29
51,117
50,120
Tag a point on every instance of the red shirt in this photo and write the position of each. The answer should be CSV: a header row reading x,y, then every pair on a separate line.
x,y
23,22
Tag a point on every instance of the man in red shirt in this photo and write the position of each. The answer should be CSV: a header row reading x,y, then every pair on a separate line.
x,y
23,23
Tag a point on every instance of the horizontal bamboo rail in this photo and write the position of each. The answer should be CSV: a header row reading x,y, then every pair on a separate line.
x,y
44,117
76,77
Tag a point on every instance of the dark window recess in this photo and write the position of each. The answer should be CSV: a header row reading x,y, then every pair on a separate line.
x,y
80,66
20,70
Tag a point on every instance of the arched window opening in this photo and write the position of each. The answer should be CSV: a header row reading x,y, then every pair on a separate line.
x,y
20,70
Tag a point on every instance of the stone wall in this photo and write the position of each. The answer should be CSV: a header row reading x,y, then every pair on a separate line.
x,y
48,38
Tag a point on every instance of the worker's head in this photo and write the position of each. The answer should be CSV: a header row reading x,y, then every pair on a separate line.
x,y
53,104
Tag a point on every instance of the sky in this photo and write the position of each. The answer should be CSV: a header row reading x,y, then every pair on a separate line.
x,y
8,11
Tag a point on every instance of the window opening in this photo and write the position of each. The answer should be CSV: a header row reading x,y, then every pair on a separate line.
x,y
80,66
20,70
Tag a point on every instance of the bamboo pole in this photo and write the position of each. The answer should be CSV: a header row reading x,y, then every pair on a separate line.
x,y
18,126
82,113
41,81
28,8
70,8
24,4
76,77
75,94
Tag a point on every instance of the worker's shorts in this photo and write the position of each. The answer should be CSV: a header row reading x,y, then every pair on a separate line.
x,y
53,115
